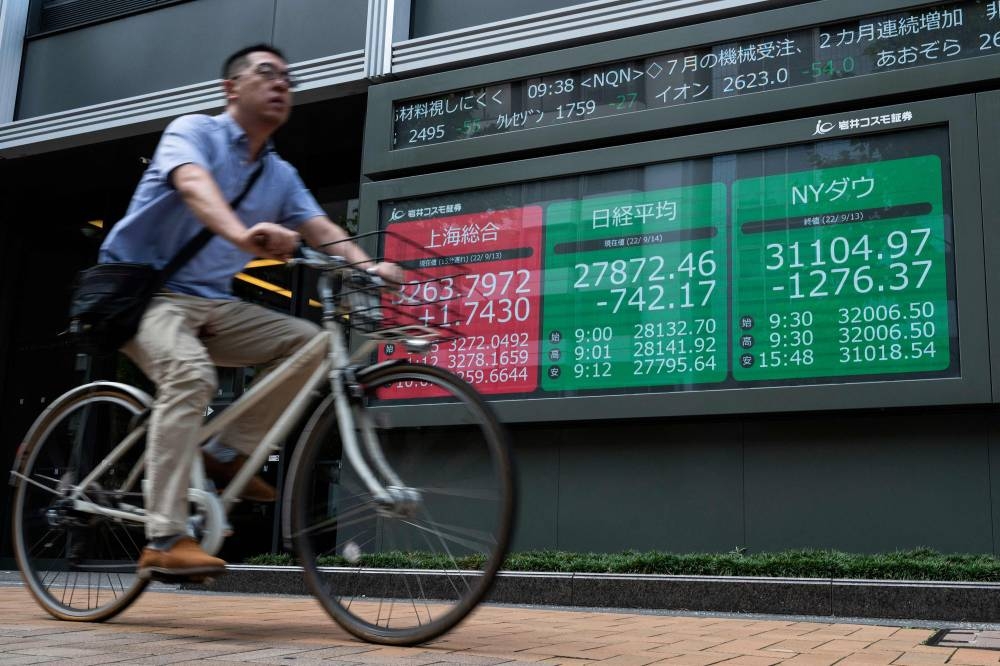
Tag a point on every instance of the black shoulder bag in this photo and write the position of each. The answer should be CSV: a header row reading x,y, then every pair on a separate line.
x,y
110,299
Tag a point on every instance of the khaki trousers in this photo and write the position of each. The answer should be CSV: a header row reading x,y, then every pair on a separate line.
x,y
180,341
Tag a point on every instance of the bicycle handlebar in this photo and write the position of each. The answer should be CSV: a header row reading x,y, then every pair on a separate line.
x,y
306,256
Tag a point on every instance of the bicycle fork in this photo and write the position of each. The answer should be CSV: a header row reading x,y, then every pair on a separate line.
x,y
393,498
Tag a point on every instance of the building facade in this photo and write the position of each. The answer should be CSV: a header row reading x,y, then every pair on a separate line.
x,y
727,268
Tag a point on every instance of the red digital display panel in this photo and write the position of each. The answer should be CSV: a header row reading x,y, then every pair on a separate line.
x,y
483,272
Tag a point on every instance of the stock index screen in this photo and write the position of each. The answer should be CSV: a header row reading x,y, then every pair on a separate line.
x,y
815,263
922,36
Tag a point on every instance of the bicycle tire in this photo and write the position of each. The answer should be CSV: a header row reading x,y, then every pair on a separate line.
x,y
345,542
79,566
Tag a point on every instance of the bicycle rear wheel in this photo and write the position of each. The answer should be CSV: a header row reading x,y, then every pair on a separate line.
x,y
77,564
407,573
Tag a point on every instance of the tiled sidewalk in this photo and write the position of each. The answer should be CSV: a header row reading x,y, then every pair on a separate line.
x,y
179,627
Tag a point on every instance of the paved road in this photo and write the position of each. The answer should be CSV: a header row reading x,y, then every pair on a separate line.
x,y
168,627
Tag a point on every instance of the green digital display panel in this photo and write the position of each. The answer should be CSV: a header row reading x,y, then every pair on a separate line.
x,y
840,272
824,262
636,287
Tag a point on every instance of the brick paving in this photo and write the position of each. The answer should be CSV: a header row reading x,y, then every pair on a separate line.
x,y
165,627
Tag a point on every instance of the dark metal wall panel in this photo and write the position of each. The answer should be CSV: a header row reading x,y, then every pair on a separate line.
x,y
308,29
869,483
994,470
176,46
537,453
856,482
430,17
58,15
988,108
671,486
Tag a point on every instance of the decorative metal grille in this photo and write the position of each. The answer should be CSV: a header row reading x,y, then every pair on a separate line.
x,y
55,15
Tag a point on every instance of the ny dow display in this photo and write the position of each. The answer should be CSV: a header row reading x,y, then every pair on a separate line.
x,y
840,271
817,263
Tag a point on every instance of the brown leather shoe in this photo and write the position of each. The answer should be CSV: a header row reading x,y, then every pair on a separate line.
x,y
221,473
184,560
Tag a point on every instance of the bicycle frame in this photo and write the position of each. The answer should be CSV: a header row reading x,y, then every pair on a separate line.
x,y
336,367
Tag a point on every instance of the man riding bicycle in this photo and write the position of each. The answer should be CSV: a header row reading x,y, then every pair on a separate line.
x,y
197,323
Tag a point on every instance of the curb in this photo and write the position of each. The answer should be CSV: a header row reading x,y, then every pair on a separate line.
x,y
824,597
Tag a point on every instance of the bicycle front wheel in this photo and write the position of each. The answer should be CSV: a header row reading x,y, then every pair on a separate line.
x,y
78,563
404,572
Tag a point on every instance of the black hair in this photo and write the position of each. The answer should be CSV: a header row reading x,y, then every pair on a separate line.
x,y
239,60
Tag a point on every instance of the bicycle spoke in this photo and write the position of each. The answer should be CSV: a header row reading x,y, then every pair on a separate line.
x,y
133,548
72,594
458,492
423,597
111,584
55,577
45,537
454,587
445,538
332,523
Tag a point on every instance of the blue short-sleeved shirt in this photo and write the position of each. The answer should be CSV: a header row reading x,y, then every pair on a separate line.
x,y
158,223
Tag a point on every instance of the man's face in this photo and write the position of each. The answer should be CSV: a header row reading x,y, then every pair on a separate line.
x,y
261,89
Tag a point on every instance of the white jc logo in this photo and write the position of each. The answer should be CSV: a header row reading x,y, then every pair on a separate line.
x,y
822,127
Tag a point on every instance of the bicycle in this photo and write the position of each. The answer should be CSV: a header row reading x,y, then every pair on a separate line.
x,y
368,491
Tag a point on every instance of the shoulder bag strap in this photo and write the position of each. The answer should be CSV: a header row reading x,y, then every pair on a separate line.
x,y
200,240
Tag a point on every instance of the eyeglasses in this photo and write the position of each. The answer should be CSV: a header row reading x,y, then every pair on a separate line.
x,y
269,72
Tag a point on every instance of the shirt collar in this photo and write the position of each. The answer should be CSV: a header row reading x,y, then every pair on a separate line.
x,y
237,135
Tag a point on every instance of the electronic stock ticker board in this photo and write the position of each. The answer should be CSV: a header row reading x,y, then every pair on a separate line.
x,y
845,50
812,263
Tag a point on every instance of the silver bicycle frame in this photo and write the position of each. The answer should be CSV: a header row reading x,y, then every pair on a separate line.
x,y
332,368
